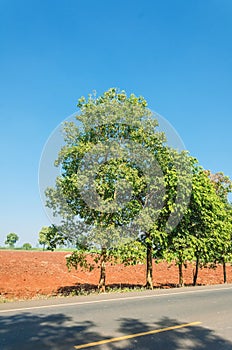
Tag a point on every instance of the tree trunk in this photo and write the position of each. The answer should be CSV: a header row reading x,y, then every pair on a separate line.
x,y
102,280
149,281
181,280
195,275
224,271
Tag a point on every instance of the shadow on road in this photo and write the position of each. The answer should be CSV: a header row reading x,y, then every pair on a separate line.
x,y
36,332
194,337
59,332
86,288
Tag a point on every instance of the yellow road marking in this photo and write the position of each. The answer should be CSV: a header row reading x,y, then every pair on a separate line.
x,y
130,336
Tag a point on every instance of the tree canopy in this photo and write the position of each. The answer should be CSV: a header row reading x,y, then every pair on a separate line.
x,y
11,239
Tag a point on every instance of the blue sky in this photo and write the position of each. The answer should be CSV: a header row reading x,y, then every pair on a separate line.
x,y
177,54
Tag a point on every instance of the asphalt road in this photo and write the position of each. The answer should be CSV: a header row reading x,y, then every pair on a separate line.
x,y
184,318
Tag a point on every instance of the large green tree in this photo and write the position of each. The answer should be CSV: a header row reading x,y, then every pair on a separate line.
x,y
110,178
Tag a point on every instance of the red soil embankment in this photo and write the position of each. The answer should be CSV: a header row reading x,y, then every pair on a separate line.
x,y
26,274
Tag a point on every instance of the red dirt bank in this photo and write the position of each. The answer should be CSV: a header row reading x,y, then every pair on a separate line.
x,y
26,274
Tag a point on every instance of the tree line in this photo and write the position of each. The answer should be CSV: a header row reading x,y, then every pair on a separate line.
x,y
175,209
11,240
124,195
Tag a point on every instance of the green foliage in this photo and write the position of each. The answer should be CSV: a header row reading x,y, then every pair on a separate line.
x,y
80,259
50,237
11,239
204,234
223,186
131,253
127,254
221,183
112,116
27,246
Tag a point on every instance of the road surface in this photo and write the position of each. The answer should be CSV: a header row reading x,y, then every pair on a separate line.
x,y
182,318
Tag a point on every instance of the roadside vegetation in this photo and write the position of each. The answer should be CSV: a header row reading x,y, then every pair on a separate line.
x,y
183,216
203,231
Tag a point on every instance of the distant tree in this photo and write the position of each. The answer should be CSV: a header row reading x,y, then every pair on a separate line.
x,y
49,237
222,184
11,239
43,236
27,246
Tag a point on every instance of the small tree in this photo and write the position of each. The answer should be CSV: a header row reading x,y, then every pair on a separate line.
x,y
43,237
27,246
11,239
49,237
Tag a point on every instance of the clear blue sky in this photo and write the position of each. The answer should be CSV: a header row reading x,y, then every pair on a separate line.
x,y
176,53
